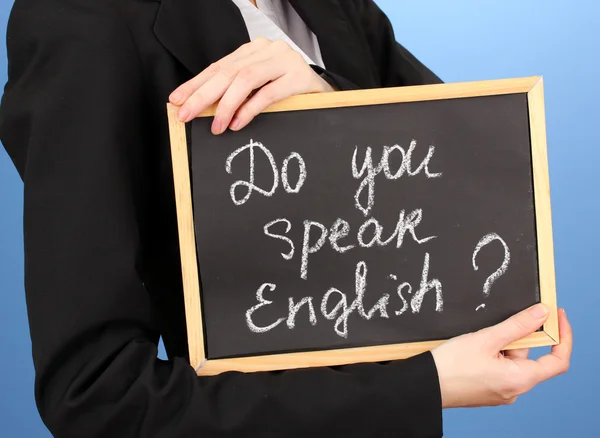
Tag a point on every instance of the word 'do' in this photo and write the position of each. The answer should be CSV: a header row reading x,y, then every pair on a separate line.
x,y
250,184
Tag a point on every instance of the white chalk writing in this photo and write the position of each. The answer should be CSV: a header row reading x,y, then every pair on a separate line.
x,y
368,171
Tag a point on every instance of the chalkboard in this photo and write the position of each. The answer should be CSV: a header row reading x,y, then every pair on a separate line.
x,y
356,221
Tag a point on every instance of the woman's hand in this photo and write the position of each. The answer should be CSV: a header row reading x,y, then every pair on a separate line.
x,y
474,372
273,67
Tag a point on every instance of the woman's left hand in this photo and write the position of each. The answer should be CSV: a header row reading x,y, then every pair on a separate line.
x,y
272,67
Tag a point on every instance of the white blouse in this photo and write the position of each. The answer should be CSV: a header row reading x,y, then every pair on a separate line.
x,y
278,20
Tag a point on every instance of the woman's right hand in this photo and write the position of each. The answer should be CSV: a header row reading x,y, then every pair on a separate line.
x,y
272,70
473,371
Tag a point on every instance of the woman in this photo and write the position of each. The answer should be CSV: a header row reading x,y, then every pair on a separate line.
x,y
83,119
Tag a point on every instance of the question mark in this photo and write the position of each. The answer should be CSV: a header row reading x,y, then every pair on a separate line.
x,y
488,238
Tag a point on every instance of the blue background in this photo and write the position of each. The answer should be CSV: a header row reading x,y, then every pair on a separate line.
x,y
461,41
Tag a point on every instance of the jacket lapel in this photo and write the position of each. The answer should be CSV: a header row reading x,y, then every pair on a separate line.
x,y
342,51
200,32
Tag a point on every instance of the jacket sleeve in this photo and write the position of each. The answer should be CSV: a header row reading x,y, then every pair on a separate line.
x,y
395,64
72,120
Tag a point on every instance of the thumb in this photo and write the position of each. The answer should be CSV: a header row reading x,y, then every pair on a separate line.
x,y
516,327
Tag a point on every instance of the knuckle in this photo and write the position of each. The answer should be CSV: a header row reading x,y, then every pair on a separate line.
x,y
519,325
281,45
215,67
484,338
268,96
247,74
296,57
248,111
507,394
511,387
489,343
473,337
185,90
228,72
518,384
260,41
197,99
224,110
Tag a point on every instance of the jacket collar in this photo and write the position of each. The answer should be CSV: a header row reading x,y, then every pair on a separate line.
x,y
200,32
341,48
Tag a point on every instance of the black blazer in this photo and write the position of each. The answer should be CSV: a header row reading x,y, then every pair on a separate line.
x,y
83,119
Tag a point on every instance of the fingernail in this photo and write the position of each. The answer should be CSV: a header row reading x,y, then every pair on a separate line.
x,y
175,97
538,311
216,127
183,114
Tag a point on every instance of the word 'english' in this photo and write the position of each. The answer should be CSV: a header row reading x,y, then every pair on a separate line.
x,y
339,309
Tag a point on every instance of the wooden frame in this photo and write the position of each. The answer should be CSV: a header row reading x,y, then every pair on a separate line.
x,y
549,335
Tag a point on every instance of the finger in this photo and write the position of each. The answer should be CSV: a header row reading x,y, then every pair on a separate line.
x,y
558,361
248,79
514,328
267,95
519,353
217,85
205,96
185,90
